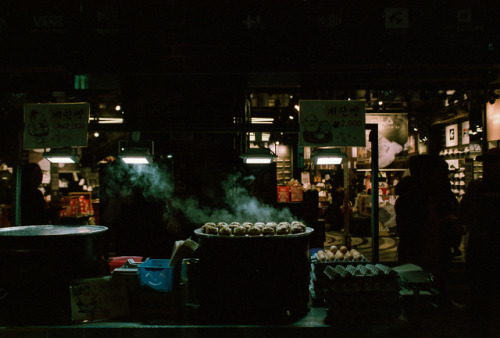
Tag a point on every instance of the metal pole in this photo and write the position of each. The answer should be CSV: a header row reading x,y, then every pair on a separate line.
x,y
347,229
375,209
17,196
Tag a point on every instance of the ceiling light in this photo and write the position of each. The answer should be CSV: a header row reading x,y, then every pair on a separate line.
x,y
135,159
258,156
136,152
262,120
328,156
61,155
107,120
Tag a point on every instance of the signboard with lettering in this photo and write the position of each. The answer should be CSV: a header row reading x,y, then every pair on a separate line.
x,y
283,194
296,194
332,123
56,125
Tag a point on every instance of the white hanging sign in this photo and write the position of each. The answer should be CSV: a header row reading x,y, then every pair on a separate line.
x,y
56,125
332,123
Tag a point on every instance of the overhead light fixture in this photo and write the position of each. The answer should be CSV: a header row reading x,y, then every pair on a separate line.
x,y
107,120
61,155
136,152
328,156
258,156
262,120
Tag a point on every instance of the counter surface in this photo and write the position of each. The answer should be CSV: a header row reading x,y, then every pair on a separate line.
x,y
309,326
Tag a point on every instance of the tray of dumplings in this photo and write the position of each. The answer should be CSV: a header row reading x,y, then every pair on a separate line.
x,y
257,229
338,255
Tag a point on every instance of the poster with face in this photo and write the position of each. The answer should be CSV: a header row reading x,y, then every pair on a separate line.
x,y
452,135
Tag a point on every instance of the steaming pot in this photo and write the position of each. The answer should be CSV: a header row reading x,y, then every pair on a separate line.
x,y
261,279
38,264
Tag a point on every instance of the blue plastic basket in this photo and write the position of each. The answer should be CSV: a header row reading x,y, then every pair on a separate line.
x,y
156,274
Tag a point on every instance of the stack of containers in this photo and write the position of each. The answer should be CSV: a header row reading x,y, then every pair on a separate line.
x,y
361,294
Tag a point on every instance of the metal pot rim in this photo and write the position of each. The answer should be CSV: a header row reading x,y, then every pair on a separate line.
x,y
51,230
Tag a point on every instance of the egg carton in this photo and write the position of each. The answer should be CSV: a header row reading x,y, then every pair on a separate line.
x,y
361,278
316,262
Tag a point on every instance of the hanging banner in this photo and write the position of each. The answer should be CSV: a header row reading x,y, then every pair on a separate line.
x,y
332,123
56,125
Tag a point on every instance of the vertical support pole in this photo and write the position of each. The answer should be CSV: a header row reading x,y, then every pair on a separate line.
x,y
17,196
347,229
375,209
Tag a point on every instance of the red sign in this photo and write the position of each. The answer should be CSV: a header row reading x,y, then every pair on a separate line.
x,y
297,194
283,194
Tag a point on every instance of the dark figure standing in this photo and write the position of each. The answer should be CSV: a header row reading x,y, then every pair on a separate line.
x,y
425,218
34,208
479,212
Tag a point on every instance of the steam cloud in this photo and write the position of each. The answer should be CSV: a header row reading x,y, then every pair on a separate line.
x,y
156,185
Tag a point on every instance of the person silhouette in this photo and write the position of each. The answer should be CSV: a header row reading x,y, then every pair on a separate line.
x,y
34,208
478,212
425,213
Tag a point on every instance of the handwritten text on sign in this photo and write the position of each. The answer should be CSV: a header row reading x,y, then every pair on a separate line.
x,y
56,125
332,123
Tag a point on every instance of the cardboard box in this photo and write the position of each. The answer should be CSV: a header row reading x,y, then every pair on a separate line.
x,y
99,298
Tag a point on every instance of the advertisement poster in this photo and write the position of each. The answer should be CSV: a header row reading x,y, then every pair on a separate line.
x,y
493,121
332,123
452,135
465,132
56,125
393,143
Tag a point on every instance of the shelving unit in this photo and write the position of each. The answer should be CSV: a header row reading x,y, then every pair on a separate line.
x,y
283,170
463,167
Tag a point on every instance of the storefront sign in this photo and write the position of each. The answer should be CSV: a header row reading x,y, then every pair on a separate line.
x,y
396,18
332,123
56,125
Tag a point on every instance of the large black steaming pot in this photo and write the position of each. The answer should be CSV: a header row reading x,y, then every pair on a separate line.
x,y
37,265
262,279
